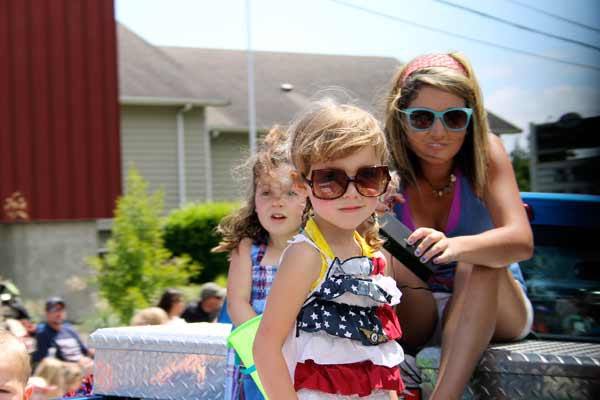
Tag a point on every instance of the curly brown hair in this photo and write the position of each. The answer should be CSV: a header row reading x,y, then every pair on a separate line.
x,y
244,223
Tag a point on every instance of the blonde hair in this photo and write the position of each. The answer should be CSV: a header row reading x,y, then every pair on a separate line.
x,y
73,375
15,350
244,223
52,370
473,155
150,316
330,131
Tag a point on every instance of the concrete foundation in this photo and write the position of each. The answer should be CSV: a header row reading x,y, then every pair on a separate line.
x,y
48,258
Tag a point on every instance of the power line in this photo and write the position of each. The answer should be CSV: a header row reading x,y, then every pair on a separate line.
x,y
429,28
519,26
570,21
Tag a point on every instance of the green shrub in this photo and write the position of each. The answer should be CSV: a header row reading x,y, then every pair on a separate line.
x,y
190,230
137,267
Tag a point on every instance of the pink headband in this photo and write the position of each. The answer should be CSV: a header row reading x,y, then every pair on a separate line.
x,y
432,60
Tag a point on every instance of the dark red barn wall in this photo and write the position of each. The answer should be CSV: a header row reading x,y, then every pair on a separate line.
x,y
59,111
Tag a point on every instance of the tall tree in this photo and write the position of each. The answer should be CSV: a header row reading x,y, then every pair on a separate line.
x,y
520,162
137,267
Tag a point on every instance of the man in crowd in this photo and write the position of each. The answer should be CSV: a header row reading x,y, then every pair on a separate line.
x,y
208,306
57,338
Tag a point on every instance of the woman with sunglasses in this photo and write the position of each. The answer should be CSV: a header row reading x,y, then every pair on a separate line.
x,y
459,195
329,329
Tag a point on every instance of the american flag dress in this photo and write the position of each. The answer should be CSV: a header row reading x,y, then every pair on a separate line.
x,y
344,343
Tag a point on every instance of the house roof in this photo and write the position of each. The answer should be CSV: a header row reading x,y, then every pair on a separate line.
x,y
222,74
501,126
311,76
147,75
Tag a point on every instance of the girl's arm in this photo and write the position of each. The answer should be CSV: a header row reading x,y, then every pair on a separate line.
x,y
511,240
300,267
239,284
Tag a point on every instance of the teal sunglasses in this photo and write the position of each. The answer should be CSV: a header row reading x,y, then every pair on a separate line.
x,y
422,119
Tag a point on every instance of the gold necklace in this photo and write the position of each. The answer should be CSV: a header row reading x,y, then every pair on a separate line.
x,y
446,189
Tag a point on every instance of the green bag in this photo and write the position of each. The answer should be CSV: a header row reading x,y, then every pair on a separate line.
x,y
241,340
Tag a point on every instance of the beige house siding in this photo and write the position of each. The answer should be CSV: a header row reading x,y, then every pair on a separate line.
x,y
228,151
195,171
149,141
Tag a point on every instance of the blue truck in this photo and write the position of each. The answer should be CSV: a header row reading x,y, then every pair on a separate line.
x,y
563,276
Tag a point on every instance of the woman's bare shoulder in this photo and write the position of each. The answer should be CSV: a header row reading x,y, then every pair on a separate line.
x,y
499,160
496,147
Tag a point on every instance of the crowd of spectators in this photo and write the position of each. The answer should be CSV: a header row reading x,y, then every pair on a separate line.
x,y
53,359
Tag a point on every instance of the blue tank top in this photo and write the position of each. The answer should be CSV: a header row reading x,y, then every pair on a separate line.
x,y
262,278
468,216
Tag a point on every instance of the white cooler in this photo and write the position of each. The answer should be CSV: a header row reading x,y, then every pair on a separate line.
x,y
162,361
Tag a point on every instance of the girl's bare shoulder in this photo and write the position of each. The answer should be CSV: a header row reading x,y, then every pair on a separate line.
x,y
244,246
301,255
302,249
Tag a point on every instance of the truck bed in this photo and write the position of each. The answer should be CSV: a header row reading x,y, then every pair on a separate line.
x,y
531,369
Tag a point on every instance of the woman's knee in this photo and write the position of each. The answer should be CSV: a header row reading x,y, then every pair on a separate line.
x,y
483,272
476,277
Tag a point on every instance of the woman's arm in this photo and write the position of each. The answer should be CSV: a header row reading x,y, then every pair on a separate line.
x,y
510,241
239,284
300,267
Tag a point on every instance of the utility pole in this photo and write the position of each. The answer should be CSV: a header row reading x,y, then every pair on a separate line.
x,y
251,99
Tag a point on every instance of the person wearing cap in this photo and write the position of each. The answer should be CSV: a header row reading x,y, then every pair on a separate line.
x,y
59,335
208,306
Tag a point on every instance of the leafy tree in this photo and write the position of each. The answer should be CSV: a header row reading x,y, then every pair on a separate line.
x,y
137,267
520,163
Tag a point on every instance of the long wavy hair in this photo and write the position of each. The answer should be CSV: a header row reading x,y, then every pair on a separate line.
x,y
472,158
244,222
330,131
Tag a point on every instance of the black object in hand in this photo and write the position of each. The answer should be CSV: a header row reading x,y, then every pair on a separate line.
x,y
396,233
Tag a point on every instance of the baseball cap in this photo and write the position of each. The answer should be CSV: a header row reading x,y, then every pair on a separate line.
x,y
211,289
54,301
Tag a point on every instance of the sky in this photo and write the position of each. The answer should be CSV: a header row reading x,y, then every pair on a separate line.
x,y
520,88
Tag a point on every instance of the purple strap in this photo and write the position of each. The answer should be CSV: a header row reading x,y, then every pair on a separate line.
x,y
453,217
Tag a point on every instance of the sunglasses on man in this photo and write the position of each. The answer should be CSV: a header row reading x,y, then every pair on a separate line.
x,y
454,119
332,183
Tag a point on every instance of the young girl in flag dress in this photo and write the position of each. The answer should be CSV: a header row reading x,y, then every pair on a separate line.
x,y
329,329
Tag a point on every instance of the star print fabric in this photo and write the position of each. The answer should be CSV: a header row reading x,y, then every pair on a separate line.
x,y
337,285
350,322
343,344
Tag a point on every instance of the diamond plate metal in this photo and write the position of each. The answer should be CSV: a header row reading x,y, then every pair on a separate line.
x,y
526,370
161,362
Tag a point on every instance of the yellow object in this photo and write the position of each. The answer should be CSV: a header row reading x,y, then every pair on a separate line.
x,y
314,233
